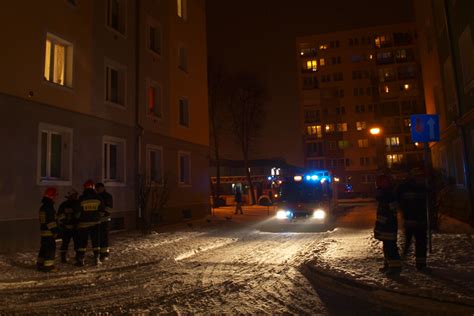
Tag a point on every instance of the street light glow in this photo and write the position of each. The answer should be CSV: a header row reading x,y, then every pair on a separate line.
x,y
375,130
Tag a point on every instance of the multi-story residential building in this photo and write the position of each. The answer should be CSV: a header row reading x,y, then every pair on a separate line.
x,y
109,90
350,82
446,45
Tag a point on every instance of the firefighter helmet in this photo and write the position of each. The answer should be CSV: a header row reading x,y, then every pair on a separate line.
x,y
89,184
50,193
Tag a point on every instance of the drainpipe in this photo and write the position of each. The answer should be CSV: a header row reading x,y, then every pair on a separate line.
x,y
138,127
461,128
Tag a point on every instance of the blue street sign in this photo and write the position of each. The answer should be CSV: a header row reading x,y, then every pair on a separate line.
x,y
424,128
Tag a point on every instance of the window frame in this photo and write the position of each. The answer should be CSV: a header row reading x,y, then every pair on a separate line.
x,y
125,21
112,140
189,182
151,83
184,98
155,24
149,149
68,61
121,69
184,69
183,14
57,129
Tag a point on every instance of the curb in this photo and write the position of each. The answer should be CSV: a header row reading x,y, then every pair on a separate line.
x,y
390,299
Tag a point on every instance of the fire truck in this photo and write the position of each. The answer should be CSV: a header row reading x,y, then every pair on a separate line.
x,y
305,201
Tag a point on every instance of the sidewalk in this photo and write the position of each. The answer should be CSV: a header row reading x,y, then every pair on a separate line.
x,y
348,261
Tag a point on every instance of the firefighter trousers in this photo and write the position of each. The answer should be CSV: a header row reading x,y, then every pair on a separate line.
x,y
66,236
83,235
46,253
104,239
391,255
419,232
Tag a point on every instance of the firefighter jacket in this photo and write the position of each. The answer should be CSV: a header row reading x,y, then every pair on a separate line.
x,y
108,203
412,199
68,213
47,218
91,207
386,225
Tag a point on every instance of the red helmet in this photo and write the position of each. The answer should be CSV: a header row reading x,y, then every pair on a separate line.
x,y
50,193
383,182
89,184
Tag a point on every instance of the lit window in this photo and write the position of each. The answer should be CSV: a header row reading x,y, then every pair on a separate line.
x,y
342,127
154,168
113,159
116,15
406,86
361,125
183,112
329,128
154,100
315,130
184,161
363,143
55,153
183,59
392,142
115,84
323,46
322,62
154,39
343,144
394,159
386,89
182,8
58,61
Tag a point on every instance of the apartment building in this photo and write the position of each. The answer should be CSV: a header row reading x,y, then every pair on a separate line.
x,y
350,82
446,45
109,90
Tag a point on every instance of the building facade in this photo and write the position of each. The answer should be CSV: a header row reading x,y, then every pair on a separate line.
x,y
109,90
353,81
446,45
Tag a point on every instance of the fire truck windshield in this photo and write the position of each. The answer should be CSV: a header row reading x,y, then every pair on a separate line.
x,y
303,192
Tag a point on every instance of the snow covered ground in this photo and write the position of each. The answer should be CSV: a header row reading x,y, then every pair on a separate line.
x,y
216,266
352,253
226,265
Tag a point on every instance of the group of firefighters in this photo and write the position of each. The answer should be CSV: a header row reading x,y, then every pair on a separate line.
x,y
411,197
78,218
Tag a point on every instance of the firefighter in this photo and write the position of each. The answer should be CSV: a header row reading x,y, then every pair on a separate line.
x,y
412,198
49,232
386,225
105,219
88,223
67,218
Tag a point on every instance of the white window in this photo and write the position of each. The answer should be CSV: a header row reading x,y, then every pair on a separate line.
x,y
154,164
183,58
116,15
154,100
54,154
363,143
184,165
466,50
58,61
115,81
183,112
182,9
361,125
314,130
113,161
154,38
394,159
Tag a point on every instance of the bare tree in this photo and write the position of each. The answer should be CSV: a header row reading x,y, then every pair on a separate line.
x,y
247,114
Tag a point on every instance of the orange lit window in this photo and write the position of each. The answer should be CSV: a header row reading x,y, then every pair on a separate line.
x,y
386,89
154,100
58,61
406,86
323,46
322,62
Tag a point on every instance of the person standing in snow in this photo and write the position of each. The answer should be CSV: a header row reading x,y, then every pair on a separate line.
x,y
386,225
104,220
67,218
49,232
412,199
88,223
238,202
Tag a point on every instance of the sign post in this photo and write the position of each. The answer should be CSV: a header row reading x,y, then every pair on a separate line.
x,y
425,129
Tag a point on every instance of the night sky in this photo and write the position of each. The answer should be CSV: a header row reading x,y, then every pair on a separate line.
x,y
260,35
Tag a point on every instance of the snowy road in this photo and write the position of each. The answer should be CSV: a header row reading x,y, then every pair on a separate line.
x,y
225,266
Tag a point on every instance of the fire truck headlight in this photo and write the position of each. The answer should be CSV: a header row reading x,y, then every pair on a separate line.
x,y
283,214
319,214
